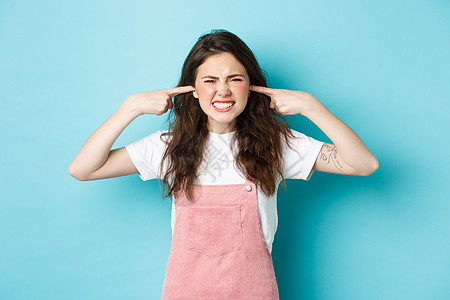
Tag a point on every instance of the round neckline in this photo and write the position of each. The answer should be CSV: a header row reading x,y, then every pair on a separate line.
x,y
222,134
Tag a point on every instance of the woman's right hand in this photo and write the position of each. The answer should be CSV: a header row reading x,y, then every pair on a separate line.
x,y
156,102
96,160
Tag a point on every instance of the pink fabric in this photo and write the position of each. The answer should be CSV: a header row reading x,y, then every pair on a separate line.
x,y
218,250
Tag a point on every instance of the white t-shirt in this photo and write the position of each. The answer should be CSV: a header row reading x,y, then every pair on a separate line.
x,y
146,155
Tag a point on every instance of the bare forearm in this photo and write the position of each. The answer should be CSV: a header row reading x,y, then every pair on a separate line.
x,y
349,145
96,149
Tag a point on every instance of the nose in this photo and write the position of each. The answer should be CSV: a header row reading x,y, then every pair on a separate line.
x,y
223,89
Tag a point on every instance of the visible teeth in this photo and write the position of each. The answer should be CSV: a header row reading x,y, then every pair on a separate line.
x,y
222,104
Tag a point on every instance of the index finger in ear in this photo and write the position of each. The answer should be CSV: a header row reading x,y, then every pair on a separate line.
x,y
261,89
180,90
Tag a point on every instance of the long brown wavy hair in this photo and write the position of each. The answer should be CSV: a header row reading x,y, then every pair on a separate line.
x,y
258,129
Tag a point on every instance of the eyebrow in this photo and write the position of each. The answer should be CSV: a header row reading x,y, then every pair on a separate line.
x,y
229,76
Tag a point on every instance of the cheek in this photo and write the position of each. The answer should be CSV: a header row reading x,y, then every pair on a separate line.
x,y
240,89
206,89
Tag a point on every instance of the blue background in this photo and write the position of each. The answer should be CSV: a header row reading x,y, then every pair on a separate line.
x,y
381,66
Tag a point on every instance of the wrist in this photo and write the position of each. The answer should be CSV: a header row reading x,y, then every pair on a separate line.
x,y
314,106
130,107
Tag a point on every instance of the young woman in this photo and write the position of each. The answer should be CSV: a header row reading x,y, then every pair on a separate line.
x,y
222,159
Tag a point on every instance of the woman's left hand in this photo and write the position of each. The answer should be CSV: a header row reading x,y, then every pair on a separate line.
x,y
288,102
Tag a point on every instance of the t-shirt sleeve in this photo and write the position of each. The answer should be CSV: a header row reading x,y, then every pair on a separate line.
x,y
146,154
298,162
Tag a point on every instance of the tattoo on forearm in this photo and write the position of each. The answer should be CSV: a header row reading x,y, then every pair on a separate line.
x,y
329,154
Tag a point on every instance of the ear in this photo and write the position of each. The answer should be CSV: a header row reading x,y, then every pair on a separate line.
x,y
195,94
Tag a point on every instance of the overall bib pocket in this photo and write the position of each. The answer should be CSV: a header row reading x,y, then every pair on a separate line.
x,y
214,230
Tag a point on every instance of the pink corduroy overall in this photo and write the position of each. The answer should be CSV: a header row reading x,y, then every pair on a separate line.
x,y
218,249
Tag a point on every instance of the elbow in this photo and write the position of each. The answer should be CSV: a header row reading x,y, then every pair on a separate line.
x,y
371,168
76,174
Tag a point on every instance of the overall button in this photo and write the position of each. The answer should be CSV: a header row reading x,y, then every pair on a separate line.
x,y
248,188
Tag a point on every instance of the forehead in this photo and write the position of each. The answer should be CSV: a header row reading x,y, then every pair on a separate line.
x,y
221,64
